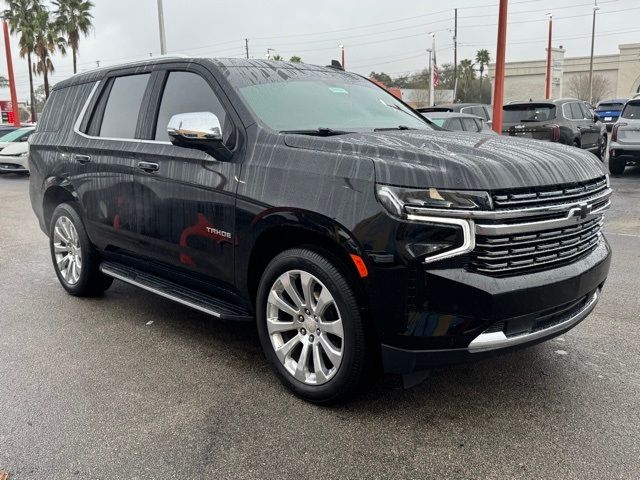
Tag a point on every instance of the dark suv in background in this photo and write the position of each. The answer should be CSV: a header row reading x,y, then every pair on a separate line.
x,y
566,121
312,202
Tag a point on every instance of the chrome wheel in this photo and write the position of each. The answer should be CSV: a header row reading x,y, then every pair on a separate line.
x,y
67,250
305,327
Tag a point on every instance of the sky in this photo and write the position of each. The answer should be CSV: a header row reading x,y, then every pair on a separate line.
x,y
378,36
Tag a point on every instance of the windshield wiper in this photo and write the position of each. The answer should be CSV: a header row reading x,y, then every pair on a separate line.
x,y
318,132
399,127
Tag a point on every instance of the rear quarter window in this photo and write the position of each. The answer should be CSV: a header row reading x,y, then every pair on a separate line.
x,y
63,107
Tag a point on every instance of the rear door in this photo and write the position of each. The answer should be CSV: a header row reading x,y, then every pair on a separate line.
x,y
590,126
104,160
186,198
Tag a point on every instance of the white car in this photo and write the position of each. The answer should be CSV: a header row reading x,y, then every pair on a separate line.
x,y
20,135
15,158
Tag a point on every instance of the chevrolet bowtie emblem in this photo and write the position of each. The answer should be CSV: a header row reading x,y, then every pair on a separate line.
x,y
582,211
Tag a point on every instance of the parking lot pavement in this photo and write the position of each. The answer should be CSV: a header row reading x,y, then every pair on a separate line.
x,y
90,389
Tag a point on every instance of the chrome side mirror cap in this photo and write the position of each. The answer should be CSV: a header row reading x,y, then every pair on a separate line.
x,y
194,127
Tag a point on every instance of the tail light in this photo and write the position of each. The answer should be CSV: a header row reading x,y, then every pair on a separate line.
x,y
614,132
555,133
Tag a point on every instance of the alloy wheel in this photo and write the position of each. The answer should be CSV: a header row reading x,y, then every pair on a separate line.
x,y
305,327
67,250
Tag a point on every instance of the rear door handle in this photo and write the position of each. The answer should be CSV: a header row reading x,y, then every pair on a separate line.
x,y
82,158
148,166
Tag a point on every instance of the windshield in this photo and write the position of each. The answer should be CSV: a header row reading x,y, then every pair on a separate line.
x,y
528,113
631,111
609,106
330,103
15,135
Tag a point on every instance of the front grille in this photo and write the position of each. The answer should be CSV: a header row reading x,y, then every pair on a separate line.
x,y
530,198
535,250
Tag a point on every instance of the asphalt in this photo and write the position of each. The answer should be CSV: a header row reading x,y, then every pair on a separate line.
x,y
132,386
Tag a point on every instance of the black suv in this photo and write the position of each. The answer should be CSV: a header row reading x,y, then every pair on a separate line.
x,y
317,205
567,121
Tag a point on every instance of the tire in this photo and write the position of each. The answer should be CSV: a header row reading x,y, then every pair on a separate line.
x,y
68,237
602,148
324,377
617,165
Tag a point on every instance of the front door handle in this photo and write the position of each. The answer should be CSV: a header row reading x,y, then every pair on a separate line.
x,y
82,158
148,166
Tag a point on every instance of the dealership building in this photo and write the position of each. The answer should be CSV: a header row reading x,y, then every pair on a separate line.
x,y
619,73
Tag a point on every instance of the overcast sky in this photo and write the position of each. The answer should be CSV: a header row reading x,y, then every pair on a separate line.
x,y
380,36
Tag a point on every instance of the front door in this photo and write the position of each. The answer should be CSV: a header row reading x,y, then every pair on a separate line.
x,y
185,197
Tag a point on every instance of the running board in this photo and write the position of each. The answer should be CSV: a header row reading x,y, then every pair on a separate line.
x,y
167,289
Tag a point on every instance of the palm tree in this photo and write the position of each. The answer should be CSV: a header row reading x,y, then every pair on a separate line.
x,y
3,82
74,19
47,41
21,14
467,75
482,58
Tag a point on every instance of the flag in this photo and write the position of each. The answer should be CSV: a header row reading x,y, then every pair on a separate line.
x,y
436,75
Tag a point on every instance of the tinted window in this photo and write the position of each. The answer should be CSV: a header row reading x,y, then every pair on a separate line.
x,y
632,110
470,124
121,111
187,92
586,113
528,113
453,124
576,113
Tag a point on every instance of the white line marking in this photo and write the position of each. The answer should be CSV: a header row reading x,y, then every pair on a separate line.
x,y
622,234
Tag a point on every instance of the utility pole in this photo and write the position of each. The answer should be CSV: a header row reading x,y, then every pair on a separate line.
x,y
342,51
432,54
455,55
163,39
498,92
547,90
246,47
12,80
593,36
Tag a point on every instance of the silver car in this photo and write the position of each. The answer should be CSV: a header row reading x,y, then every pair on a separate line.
x,y
624,147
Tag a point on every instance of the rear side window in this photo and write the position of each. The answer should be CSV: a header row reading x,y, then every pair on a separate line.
x,y
470,124
123,105
631,111
187,92
453,124
576,113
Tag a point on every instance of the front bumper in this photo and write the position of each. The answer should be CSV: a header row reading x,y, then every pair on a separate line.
x,y
13,164
463,316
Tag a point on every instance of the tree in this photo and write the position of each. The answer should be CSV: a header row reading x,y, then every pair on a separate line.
x,y
295,59
277,57
20,15
467,76
40,98
47,41
4,83
73,17
482,58
578,86
381,77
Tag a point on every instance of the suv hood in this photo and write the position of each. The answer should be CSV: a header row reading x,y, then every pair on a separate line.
x,y
459,160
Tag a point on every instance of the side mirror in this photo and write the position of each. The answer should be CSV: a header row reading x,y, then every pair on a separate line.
x,y
596,118
200,131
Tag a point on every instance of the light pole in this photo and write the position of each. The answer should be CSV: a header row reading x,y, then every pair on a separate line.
x,y
341,47
163,39
547,91
12,80
593,35
432,54
498,88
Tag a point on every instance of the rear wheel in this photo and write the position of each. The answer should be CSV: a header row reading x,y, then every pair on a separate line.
x,y
617,165
310,326
602,148
74,258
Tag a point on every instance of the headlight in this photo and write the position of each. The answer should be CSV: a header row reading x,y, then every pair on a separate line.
x,y
395,199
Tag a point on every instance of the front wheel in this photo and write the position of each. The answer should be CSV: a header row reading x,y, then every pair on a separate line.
x,y
310,326
74,258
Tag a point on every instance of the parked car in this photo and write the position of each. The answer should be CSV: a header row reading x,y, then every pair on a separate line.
x,y
18,135
459,122
624,148
4,129
314,203
14,158
609,111
565,121
479,109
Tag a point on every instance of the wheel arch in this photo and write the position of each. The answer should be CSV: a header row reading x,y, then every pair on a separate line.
x,y
53,196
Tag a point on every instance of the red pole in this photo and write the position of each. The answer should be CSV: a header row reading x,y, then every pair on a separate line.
x,y
12,81
547,92
498,90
